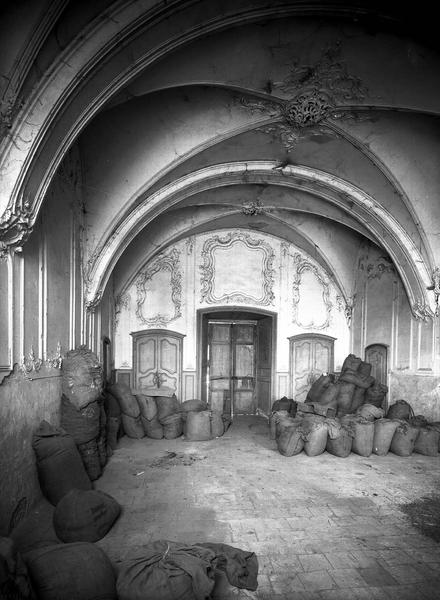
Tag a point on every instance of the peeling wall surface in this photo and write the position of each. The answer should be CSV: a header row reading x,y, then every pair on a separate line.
x,y
162,158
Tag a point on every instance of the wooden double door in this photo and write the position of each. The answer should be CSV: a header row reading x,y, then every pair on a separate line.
x,y
157,362
237,365
310,356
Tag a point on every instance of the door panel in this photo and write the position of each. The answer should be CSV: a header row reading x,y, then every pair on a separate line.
x,y
310,356
376,355
231,367
157,360
264,365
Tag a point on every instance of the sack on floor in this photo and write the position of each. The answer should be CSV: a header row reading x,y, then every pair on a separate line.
x,y
376,394
290,442
113,427
153,429
418,421
344,398
132,426
364,369
15,583
283,403
111,405
127,401
81,424
240,566
59,463
384,430
350,376
147,406
90,456
370,412
400,410
285,421
77,571
274,417
315,433
358,399
103,450
85,516
329,396
165,570
351,362
172,426
166,406
363,436
404,439
340,444
318,387
427,441
198,426
192,406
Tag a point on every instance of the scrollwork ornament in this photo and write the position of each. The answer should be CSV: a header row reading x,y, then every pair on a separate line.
x,y
435,287
302,265
346,305
421,311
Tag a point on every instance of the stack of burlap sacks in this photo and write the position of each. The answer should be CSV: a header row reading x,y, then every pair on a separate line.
x,y
359,424
160,417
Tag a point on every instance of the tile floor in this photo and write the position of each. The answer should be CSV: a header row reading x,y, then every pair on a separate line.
x,y
322,527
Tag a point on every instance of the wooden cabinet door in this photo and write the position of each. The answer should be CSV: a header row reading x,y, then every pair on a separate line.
x,y
310,356
157,359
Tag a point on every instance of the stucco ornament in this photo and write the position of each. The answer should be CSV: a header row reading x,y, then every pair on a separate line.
x,y
435,287
15,228
82,376
346,305
301,266
314,95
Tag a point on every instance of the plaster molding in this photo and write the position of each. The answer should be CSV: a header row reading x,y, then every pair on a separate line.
x,y
190,241
31,364
208,269
377,268
252,208
164,262
122,302
300,265
435,287
15,227
407,258
346,305
421,311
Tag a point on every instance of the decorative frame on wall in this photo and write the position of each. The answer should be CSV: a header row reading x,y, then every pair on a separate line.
x,y
164,262
301,265
208,270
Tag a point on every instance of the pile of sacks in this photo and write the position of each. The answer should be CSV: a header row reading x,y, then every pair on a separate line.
x,y
354,387
162,569
365,432
160,417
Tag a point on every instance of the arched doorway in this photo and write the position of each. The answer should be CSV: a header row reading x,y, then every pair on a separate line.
x,y
236,359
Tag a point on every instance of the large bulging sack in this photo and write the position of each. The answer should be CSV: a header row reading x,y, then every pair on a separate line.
x,y
427,441
147,406
85,516
132,426
173,426
351,362
77,571
153,429
384,430
376,394
370,412
340,445
274,417
329,396
283,403
90,456
166,406
15,583
400,410
127,401
404,439
81,376
81,423
59,463
315,432
317,388
290,442
363,437
358,399
165,570
344,398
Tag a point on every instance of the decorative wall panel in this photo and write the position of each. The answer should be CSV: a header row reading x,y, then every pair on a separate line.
x,y
311,296
159,290
225,279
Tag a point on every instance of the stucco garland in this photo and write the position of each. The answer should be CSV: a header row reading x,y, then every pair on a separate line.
x,y
409,262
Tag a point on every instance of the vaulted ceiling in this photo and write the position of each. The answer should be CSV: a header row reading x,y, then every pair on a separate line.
x,y
315,122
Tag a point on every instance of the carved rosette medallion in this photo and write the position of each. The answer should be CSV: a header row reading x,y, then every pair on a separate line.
x,y
144,284
302,266
225,280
